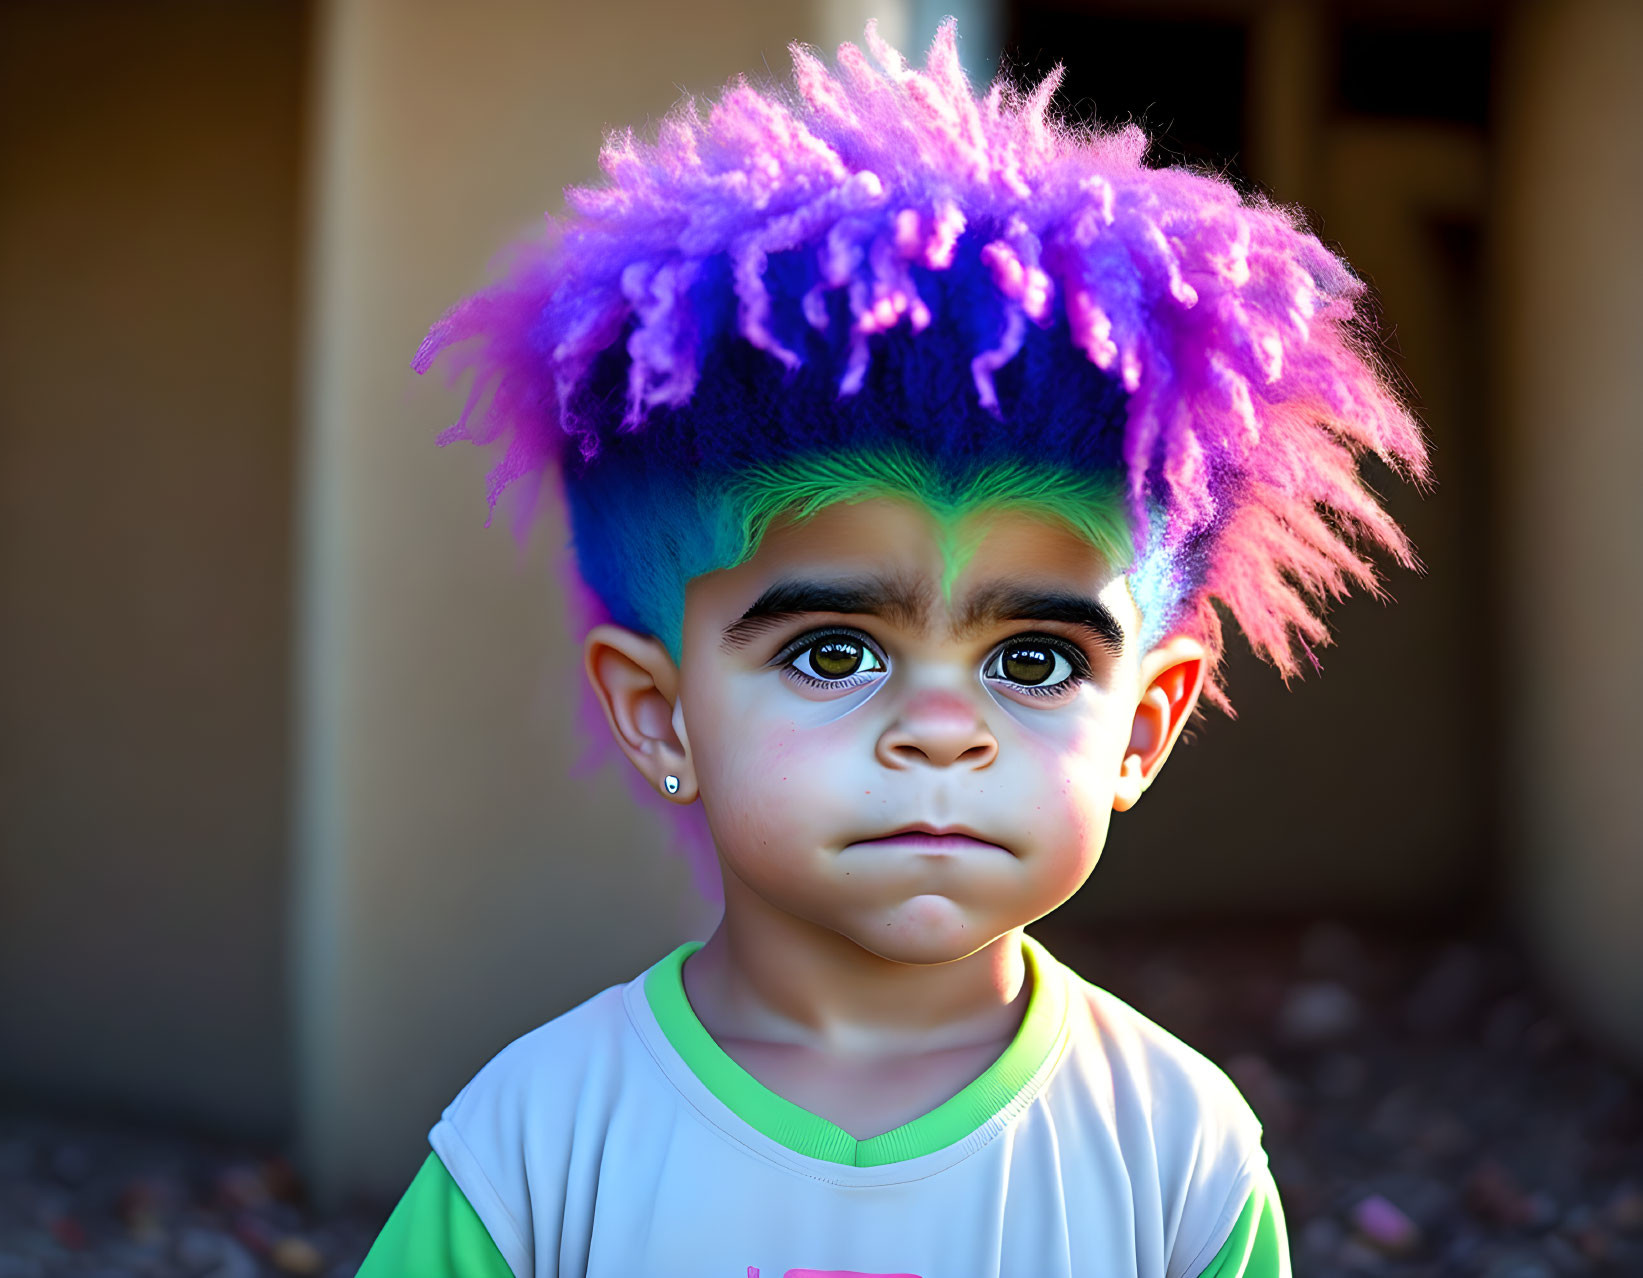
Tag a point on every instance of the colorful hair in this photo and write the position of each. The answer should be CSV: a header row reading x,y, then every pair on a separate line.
x,y
885,283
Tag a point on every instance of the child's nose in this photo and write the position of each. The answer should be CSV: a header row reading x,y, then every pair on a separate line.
x,y
939,728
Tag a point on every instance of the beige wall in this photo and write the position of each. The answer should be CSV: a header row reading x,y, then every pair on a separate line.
x,y
148,167
1571,356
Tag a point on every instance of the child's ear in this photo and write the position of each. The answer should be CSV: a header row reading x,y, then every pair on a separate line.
x,y
637,684
1172,676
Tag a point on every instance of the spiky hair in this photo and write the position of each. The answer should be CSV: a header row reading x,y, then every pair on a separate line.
x,y
885,260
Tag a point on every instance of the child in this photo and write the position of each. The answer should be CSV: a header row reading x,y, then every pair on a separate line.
x,y
908,439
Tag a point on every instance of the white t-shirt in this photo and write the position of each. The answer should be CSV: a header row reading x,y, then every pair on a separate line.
x,y
619,1141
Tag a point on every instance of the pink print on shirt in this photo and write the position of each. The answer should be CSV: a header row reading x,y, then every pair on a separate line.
x,y
753,1272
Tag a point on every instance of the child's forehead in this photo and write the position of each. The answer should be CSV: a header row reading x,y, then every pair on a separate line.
x,y
914,565
902,531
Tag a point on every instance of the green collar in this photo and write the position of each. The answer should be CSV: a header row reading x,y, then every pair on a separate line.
x,y
806,1133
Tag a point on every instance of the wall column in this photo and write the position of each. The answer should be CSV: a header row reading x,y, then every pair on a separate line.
x,y
457,883
1571,383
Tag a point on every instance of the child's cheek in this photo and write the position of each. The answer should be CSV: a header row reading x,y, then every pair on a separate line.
x,y
790,765
771,778
1071,771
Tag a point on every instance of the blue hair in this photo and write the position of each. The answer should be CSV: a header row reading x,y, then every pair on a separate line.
x,y
651,510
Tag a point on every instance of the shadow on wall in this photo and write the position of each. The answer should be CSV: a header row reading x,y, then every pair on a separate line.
x,y
148,219
1309,800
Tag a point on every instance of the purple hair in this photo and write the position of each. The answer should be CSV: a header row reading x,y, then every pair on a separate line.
x,y
822,240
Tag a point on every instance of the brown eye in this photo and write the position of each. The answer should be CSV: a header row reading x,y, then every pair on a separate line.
x,y
1028,665
836,658
840,659
1038,666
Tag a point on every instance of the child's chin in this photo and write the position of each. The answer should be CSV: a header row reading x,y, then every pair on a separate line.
x,y
926,929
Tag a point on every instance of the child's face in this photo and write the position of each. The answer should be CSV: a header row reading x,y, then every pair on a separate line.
x,y
920,773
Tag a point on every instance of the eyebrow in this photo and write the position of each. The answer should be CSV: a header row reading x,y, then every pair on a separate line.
x,y
993,604
902,602
908,604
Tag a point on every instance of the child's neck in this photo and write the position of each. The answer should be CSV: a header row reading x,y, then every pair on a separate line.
x,y
867,1043
768,976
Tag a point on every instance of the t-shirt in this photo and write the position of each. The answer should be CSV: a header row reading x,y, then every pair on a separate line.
x,y
620,1141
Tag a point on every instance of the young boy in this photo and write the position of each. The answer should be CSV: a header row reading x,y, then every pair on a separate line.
x,y
908,439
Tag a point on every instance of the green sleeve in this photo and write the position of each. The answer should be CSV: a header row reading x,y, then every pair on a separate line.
x,y
1259,1245
434,1233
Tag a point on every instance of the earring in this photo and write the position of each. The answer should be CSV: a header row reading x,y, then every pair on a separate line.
x,y
670,783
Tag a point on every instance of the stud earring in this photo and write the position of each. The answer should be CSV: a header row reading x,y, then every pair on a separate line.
x,y
670,783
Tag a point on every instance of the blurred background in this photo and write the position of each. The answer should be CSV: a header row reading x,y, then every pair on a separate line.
x,y
292,832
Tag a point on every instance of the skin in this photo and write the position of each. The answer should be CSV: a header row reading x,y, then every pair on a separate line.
x,y
864,969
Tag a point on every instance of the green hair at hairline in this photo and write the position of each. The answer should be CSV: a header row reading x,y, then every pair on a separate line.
x,y
1092,508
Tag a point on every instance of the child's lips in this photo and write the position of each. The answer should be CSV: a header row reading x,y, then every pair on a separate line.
x,y
931,839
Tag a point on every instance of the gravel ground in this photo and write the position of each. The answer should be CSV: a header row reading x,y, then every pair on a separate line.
x,y
1426,1110
1427,1113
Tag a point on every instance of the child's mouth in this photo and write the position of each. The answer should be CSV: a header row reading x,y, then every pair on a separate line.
x,y
928,840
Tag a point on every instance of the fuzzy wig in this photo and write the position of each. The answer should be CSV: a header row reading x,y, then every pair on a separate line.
x,y
883,282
